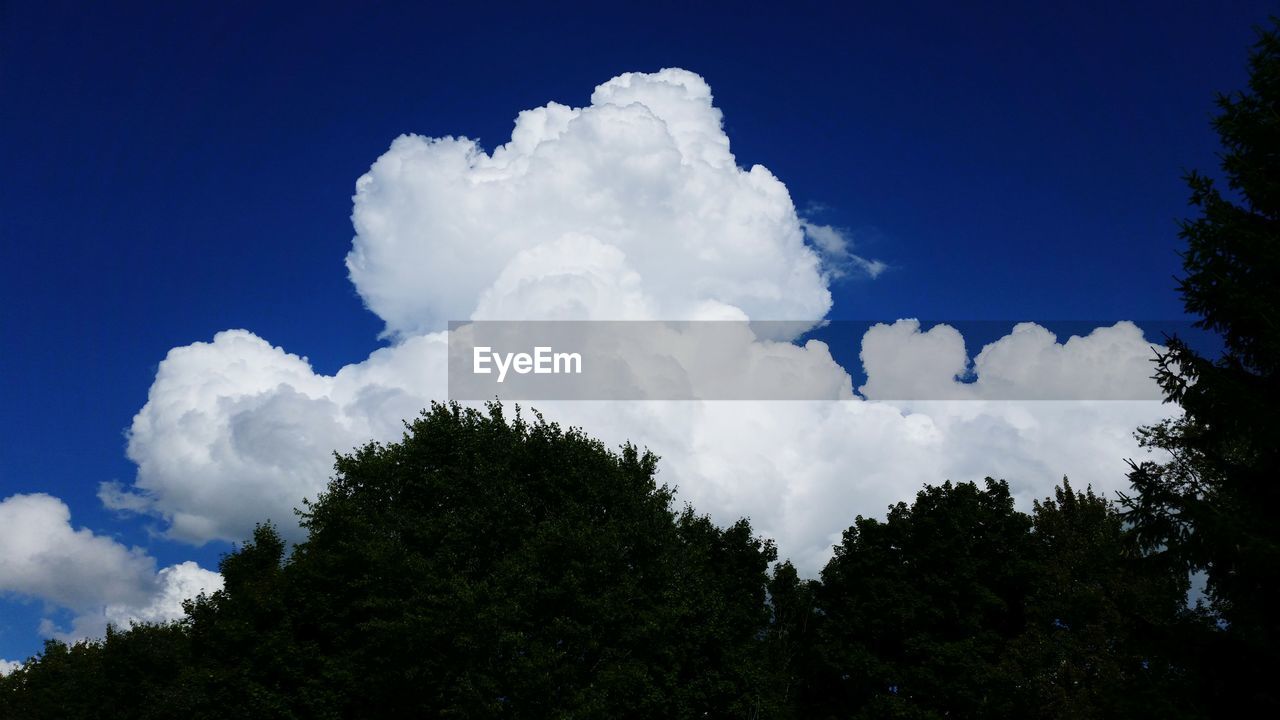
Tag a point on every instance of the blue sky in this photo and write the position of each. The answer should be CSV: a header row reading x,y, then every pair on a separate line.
x,y
170,172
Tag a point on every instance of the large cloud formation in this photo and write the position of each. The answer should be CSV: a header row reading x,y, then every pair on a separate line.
x,y
632,207
95,577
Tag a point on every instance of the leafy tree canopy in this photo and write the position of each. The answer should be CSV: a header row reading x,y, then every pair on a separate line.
x,y
958,605
483,566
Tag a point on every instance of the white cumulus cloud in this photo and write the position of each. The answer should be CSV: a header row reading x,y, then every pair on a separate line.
x,y
175,584
43,557
632,207
236,431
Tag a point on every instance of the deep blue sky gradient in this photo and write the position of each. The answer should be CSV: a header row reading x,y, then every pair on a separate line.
x,y
174,169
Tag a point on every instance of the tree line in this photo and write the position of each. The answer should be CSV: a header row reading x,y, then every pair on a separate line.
x,y
501,566
496,565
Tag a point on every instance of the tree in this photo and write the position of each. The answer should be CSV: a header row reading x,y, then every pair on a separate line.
x,y
246,660
789,643
487,566
132,673
1103,620
961,606
915,611
482,566
1212,505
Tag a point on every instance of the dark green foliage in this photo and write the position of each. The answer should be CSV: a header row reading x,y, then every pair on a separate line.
x,y
961,606
915,610
788,654
1212,506
133,674
1102,621
488,567
483,566
245,660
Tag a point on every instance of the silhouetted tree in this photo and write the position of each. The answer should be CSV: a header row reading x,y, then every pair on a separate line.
x,y
960,606
134,673
916,610
482,566
486,566
246,660
789,643
1212,506
1103,621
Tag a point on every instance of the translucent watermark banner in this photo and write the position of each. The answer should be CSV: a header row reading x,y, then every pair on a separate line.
x,y
897,360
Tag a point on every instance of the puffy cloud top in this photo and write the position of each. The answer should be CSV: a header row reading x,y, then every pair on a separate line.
x,y
1110,363
630,208
236,431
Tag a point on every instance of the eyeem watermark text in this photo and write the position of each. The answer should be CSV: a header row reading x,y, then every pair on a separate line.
x,y
982,360
543,361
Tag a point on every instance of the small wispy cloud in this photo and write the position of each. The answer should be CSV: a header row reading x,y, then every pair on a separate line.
x,y
836,249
